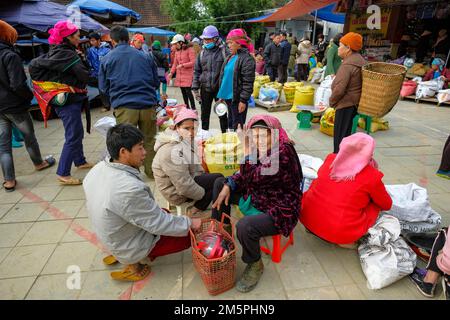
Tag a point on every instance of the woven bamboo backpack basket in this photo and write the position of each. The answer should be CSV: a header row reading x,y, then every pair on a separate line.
x,y
381,85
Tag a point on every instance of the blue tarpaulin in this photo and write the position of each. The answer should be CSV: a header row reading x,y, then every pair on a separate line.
x,y
42,14
29,42
325,14
153,31
106,9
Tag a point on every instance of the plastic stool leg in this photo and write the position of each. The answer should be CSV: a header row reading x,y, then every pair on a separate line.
x,y
276,248
355,123
368,124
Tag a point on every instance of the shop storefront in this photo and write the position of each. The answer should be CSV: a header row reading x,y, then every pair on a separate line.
x,y
406,28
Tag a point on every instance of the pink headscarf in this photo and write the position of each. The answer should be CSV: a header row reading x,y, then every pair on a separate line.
x,y
355,153
240,36
184,114
61,30
272,123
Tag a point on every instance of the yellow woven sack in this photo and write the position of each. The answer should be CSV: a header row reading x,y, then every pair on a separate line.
x,y
259,81
276,85
222,153
289,90
303,96
377,124
418,69
327,122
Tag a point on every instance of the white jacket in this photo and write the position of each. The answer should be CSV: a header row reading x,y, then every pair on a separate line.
x,y
124,214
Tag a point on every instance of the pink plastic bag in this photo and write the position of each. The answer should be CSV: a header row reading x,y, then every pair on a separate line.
x,y
408,88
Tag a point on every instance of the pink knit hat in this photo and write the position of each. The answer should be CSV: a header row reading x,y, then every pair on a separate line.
x,y
355,153
184,114
61,30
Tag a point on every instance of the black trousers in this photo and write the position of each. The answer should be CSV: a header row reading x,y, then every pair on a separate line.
x,y
282,73
272,71
439,243
445,162
343,121
234,116
207,100
188,97
206,181
250,229
302,72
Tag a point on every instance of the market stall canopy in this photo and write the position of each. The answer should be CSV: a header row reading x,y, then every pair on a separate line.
x,y
107,10
31,42
294,9
42,14
327,14
153,31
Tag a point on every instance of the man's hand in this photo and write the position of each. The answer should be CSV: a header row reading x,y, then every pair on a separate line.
x,y
224,196
196,223
241,107
197,95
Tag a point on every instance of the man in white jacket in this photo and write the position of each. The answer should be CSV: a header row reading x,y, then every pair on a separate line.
x,y
123,211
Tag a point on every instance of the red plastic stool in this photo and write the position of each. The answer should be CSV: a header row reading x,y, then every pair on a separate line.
x,y
277,250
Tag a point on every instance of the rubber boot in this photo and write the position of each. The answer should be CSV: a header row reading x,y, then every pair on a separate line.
x,y
250,277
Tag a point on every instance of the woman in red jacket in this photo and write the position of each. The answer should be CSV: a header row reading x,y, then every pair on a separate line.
x,y
346,198
183,66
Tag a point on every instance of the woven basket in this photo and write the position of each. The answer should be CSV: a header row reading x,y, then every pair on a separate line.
x,y
219,274
381,87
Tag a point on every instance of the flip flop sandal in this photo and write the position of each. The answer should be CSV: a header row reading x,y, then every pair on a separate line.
x,y
10,189
50,161
110,260
129,275
87,165
70,182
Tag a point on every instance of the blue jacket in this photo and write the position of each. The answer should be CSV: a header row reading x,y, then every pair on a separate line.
x,y
94,55
128,78
285,52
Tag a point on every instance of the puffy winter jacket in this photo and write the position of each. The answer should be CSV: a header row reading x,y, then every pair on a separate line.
x,y
15,95
62,65
243,77
207,68
272,54
185,74
303,52
175,165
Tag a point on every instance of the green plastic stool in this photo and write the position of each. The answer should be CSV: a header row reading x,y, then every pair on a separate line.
x,y
368,120
304,120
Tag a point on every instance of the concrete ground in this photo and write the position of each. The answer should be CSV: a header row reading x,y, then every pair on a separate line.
x,y
44,227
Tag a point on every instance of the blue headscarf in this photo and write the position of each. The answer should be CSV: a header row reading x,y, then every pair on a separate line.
x,y
440,64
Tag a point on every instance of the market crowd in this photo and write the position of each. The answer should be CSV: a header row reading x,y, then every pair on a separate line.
x,y
132,77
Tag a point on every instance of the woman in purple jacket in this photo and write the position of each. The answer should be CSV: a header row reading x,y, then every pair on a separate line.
x,y
267,190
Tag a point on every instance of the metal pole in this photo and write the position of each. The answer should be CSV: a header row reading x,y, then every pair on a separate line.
x,y
314,32
448,57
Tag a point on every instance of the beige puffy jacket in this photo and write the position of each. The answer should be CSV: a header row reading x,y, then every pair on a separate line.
x,y
303,52
174,167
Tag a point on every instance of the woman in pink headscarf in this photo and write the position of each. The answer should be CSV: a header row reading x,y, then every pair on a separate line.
x,y
237,77
267,190
348,195
59,79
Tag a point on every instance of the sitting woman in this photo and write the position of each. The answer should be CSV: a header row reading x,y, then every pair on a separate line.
x,y
267,189
437,70
438,266
348,194
177,169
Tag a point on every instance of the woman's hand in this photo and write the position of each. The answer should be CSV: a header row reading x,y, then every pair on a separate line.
x,y
179,66
243,138
241,107
224,196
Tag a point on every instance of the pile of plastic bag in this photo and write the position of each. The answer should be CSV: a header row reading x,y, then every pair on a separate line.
x,y
268,95
408,88
429,88
310,167
443,95
323,93
385,257
411,207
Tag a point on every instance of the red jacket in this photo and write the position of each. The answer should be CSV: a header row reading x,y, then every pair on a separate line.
x,y
445,72
342,212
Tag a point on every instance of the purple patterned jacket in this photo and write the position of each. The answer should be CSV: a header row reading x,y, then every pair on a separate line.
x,y
278,195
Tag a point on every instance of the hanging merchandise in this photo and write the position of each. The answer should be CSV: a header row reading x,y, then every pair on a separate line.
x,y
385,257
